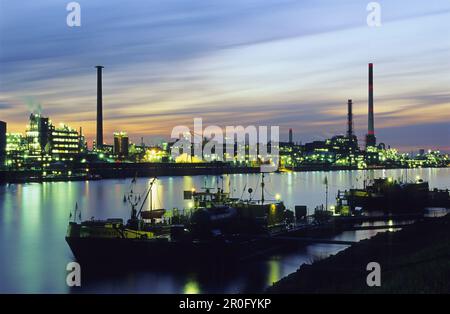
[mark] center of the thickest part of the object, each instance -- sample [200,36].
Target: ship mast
[132,199]
[146,196]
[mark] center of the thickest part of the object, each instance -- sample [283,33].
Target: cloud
[290,63]
[5,106]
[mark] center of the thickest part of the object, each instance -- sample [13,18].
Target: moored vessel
[217,228]
[389,195]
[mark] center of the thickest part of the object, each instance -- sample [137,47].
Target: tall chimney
[99,141]
[370,137]
[350,120]
[291,140]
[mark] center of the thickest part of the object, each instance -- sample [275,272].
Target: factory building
[121,142]
[64,142]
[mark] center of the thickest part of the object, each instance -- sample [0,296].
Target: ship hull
[146,252]
[392,198]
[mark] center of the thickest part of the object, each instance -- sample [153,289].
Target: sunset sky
[290,63]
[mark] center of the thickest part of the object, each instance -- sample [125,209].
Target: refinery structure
[45,147]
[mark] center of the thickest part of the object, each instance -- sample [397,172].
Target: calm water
[33,221]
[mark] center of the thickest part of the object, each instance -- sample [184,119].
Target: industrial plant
[47,149]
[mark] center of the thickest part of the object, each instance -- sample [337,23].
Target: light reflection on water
[33,221]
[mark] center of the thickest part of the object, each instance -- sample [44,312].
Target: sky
[291,63]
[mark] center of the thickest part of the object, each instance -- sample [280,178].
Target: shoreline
[130,170]
[414,259]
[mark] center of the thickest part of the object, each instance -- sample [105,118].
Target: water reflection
[33,221]
[192,286]
[274,272]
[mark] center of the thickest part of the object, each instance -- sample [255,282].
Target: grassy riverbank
[413,260]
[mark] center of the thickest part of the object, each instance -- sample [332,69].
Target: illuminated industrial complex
[60,149]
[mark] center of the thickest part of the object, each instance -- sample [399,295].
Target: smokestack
[99,141]
[371,126]
[350,120]
[370,137]
[290,136]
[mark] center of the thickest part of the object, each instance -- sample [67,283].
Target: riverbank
[121,170]
[413,260]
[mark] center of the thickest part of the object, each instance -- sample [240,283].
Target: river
[34,217]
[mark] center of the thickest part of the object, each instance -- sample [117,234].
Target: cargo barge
[389,195]
[218,228]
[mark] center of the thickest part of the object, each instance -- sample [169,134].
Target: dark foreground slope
[413,260]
